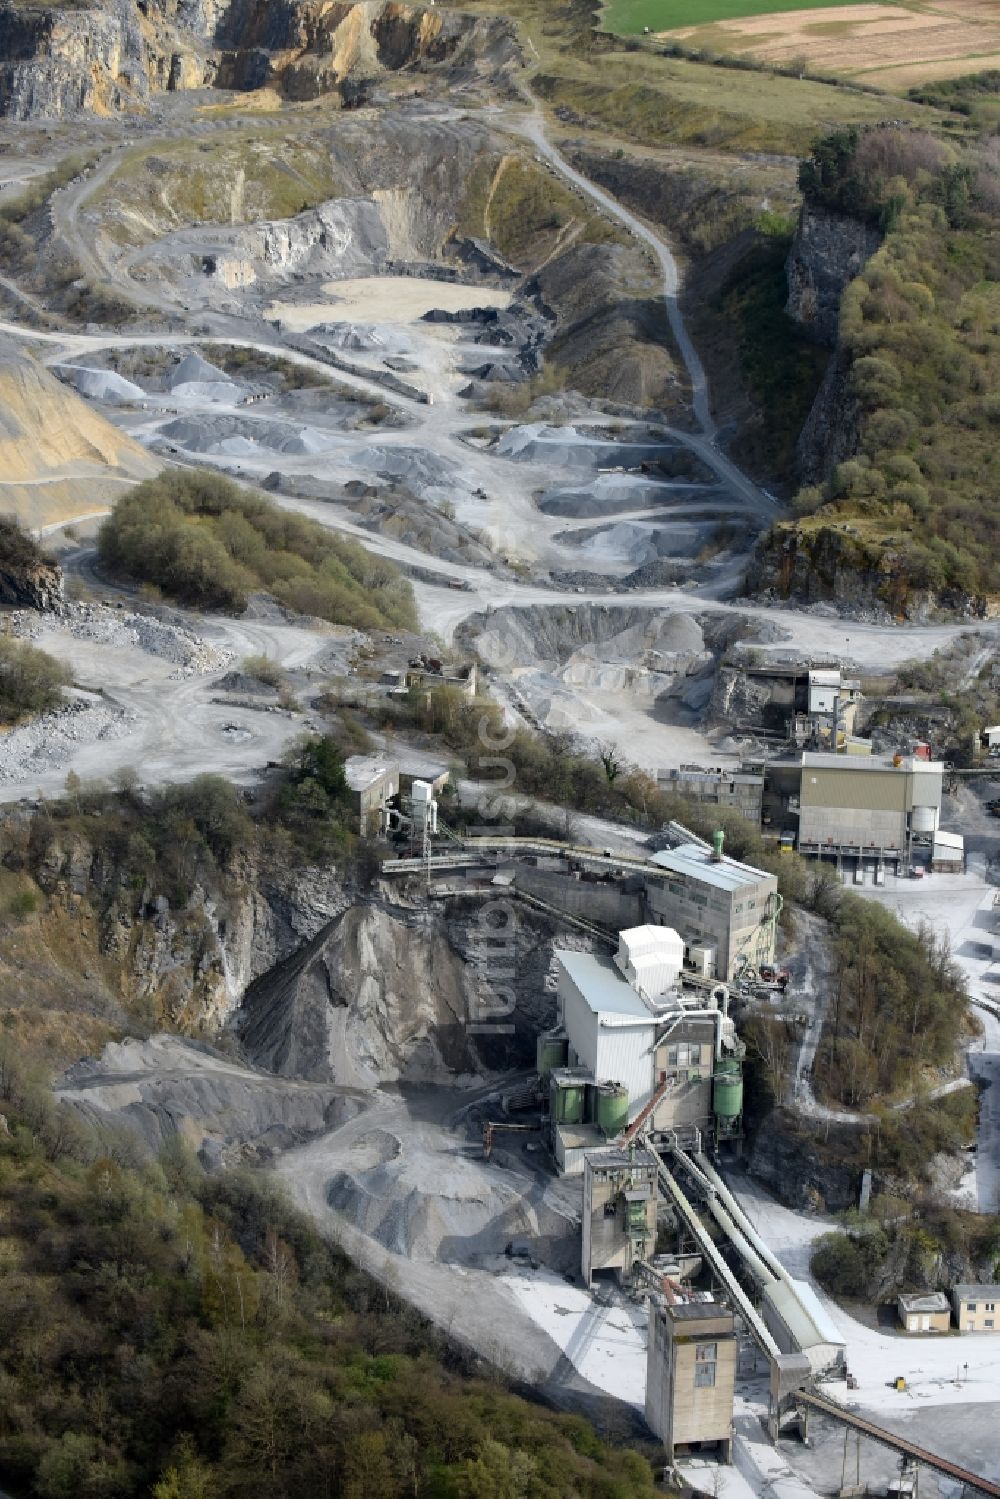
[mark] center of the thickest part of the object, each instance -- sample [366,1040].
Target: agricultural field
[630,17]
[894,46]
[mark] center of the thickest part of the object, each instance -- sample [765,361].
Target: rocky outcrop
[802,1173]
[832,430]
[185,963]
[29,577]
[59,61]
[828,251]
[831,562]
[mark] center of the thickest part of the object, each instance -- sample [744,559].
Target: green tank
[550,1051]
[612,1109]
[727,1091]
[569,1103]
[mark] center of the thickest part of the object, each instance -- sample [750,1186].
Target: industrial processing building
[632,1047]
[691,1374]
[869,807]
[726,912]
[619,1210]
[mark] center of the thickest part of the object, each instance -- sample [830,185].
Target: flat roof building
[976,1307]
[619,1210]
[715,903]
[924,1311]
[868,806]
[372,783]
[691,1375]
[639,1052]
[741,790]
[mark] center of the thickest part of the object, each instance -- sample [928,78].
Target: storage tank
[727,1091]
[569,1103]
[550,1051]
[612,1109]
[924,820]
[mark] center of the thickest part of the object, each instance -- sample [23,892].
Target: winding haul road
[457,590]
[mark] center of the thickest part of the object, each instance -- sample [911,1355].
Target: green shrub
[211,543]
[31,681]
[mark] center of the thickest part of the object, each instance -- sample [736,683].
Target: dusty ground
[895,46]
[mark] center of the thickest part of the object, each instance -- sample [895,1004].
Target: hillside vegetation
[190,1337]
[917,505]
[210,543]
[31,680]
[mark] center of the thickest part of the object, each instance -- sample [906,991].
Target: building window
[611,1209]
[971,1307]
[988,1322]
[991,1306]
[704,1367]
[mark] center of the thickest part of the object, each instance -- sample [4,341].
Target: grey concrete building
[619,1210]
[691,1375]
[740,790]
[372,784]
[717,904]
[873,807]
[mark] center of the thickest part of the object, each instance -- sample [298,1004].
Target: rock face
[183,965]
[828,251]
[58,61]
[29,578]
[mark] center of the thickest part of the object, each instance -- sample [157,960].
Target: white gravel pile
[55,737]
[192,655]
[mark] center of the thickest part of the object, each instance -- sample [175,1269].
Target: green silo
[727,1092]
[612,1109]
[550,1052]
[569,1102]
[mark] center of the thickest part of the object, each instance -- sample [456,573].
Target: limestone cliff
[112,56]
[29,577]
[828,251]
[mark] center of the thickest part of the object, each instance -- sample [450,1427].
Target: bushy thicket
[190,1337]
[210,543]
[899,1007]
[898,1249]
[169,838]
[921,329]
[31,681]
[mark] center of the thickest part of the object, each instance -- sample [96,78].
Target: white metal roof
[697,864]
[803,1314]
[602,986]
[824,678]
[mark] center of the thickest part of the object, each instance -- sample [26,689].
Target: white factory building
[631,1045]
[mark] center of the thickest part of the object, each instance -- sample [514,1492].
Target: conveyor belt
[901,1445]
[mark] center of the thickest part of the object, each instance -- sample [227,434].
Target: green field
[629,17]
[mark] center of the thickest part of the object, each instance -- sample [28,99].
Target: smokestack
[718,838]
